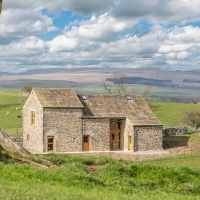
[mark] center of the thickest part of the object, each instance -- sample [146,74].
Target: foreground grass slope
[111,179]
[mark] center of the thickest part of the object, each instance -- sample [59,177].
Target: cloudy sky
[100,33]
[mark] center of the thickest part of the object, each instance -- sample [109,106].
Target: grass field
[10,103]
[111,179]
[170,114]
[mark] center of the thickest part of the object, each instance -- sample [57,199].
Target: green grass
[187,160]
[14,132]
[112,180]
[170,114]
[9,101]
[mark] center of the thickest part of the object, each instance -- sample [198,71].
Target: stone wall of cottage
[99,133]
[33,134]
[147,138]
[128,131]
[65,125]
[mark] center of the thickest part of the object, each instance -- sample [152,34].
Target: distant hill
[68,77]
[57,70]
[44,71]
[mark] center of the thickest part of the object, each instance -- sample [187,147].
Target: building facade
[59,120]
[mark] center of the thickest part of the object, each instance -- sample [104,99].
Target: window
[128,98]
[50,143]
[32,118]
[84,98]
[85,138]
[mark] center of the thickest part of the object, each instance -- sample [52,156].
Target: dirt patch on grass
[93,168]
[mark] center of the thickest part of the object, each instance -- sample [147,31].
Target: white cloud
[111,35]
[174,48]
[16,23]
[62,43]
[104,27]
[183,55]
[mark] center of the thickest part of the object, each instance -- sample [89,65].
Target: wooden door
[115,136]
[86,142]
[130,144]
[115,141]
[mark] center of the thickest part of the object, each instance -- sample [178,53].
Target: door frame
[116,132]
[130,143]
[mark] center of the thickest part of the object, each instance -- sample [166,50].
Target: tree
[26,89]
[118,81]
[146,92]
[192,118]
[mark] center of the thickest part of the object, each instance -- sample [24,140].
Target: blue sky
[163,34]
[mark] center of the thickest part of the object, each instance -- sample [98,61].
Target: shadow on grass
[175,141]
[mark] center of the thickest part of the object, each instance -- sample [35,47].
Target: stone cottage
[59,120]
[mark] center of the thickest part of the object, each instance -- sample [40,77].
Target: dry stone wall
[174,131]
[99,133]
[66,127]
[33,134]
[147,138]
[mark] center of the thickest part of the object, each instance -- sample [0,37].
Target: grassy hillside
[9,101]
[170,114]
[84,177]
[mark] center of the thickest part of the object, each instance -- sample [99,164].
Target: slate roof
[57,97]
[117,106]
[99,105]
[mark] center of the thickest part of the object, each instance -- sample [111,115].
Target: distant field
[11,105]
[170,114]
[155,91]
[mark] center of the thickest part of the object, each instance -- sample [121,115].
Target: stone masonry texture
[147,138]
[66,127]
[33,134]
[99,133]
